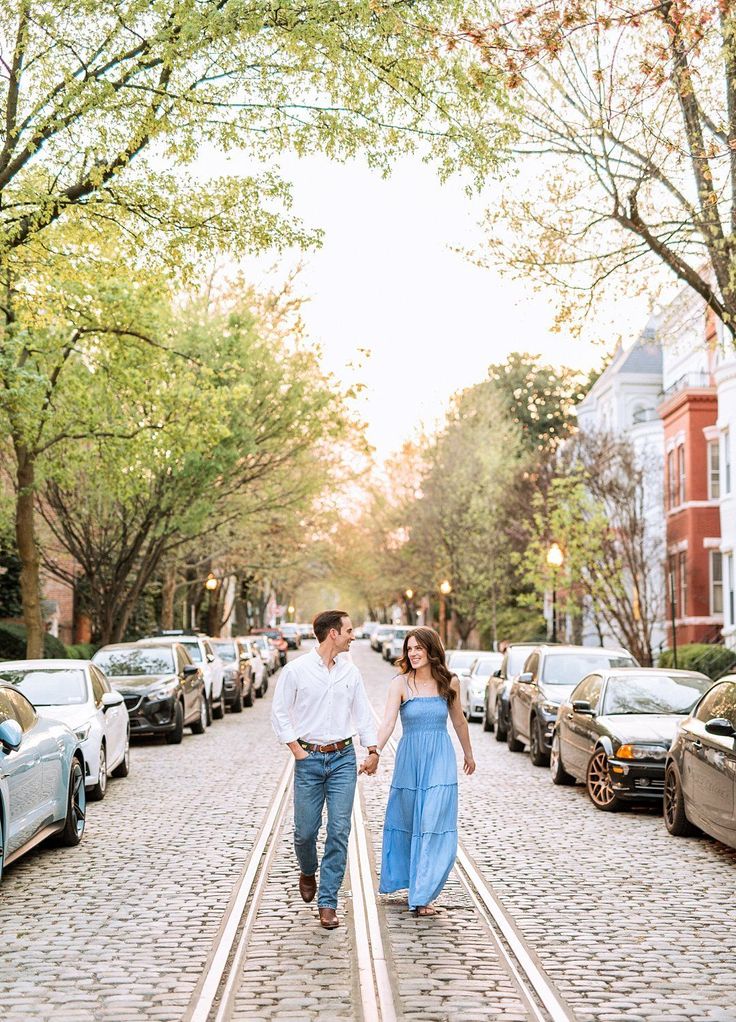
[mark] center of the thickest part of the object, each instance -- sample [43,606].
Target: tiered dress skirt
[420,830]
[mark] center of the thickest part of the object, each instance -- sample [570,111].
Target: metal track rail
[543,1000]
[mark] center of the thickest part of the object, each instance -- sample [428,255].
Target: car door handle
[697,744]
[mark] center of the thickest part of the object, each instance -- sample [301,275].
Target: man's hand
[297,751]
[369,764]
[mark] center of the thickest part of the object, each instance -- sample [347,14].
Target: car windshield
[570,668]
[654,693]
[517,658]
[289,629]
[50,687]
[130,663]
[484,668]
[462,661]
[226,651]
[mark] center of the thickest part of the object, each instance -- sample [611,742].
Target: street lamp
[555,559]
[210,583]
[445,590]
[290,610]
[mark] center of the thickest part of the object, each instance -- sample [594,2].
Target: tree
[628,140]
[597,509]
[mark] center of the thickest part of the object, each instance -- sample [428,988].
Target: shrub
[13,643]
[712,660]
[81,651]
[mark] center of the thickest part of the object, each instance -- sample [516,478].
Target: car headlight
[82,732]
[550,708]
[162,693]
[641,752]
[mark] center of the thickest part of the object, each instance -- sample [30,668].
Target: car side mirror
[526,678]
[11,735]
[210,658]
[111,699]
[581,706]
[721,726]
[497,674]
[189,670]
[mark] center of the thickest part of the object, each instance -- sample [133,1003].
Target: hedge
[81,651]
[715,661]
[13,643]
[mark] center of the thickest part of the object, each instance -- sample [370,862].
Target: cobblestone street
[629,923]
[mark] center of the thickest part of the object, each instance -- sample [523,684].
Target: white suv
[203,655]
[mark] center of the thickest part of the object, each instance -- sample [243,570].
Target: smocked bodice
[423,713]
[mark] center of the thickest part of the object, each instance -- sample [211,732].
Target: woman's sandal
[426,910]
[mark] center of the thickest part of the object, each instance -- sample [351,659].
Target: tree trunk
[25,536]
[167,596]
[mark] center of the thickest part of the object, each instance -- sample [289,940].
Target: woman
[420,830]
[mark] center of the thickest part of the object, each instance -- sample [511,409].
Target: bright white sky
[387,280]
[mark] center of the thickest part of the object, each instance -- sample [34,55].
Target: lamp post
[555,559]
[290,610]
[409,595]
[211,584]
[445,590]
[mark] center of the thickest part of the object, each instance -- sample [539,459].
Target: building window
[726,461]
[682,569]
[716,582]
[729,590]
[714,470]
[681,473]
[672,594]
[671,479]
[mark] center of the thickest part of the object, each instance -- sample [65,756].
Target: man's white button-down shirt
[322,706]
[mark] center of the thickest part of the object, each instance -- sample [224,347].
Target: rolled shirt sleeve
[363,717]
[283,700]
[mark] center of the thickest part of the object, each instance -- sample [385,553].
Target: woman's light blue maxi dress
[420,830]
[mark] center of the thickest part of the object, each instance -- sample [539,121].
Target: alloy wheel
[203,712]
[78,800]
[670,798]
[600,788]
[103,771]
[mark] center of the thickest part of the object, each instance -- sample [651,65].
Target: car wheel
[218,712]
[261,690]
[200,724]
[537,752]
[174,737]
[208,706]
[511,740]
[248,697]
[675,817]
[237,706]
[599,784]
[97,792]
[2,850]
[557,769]
[487,722]
[123,767]
[76,807]
[500,724]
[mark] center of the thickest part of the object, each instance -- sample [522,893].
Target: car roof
[652,671]
[553,647]
[39,665]
[165,640]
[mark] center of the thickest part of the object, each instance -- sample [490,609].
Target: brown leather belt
[332,747]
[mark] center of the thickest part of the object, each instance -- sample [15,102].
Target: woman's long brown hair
[431,643]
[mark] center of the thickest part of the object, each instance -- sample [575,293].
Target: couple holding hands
[320,701]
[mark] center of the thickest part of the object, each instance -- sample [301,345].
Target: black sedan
[614,732]
[700,776]
[163,689]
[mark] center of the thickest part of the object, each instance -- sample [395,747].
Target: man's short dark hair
[325,621]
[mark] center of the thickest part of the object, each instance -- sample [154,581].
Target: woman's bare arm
[461,728]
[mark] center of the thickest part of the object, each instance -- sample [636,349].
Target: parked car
[700,770]
[459,661]
[41,779]
[366,629]
[380,635]
[292,635]
[239,674]
[199,648]
[305,630]
[496,703]
[269,655]
[77,693]
[393,647]
[257,665]
[614,731]
[473,684]
[163,690]
[549,676]
[277,640]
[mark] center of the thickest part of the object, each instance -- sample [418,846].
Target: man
[320,701]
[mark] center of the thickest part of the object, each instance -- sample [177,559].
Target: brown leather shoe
[328,918]
[307,886]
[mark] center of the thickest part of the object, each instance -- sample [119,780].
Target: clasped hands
[369,764]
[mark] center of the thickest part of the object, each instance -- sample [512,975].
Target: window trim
[726,474]
[681,480]
[715,556]
[714,474]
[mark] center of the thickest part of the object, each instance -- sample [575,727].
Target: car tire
[537,752]
[511,740]
[2,848]
[248,697]
[97,791]
[673,807]
[598,783]
[208,704]
[500,726]
[237,705]
[487,722]
[175,736]
[556,766]
[76,807]
[199,726]
[123,767]
[218,712]
[261,690]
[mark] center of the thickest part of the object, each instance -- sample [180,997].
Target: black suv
[550,674]
[163,690]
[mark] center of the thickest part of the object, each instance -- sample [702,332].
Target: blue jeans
[324,777]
